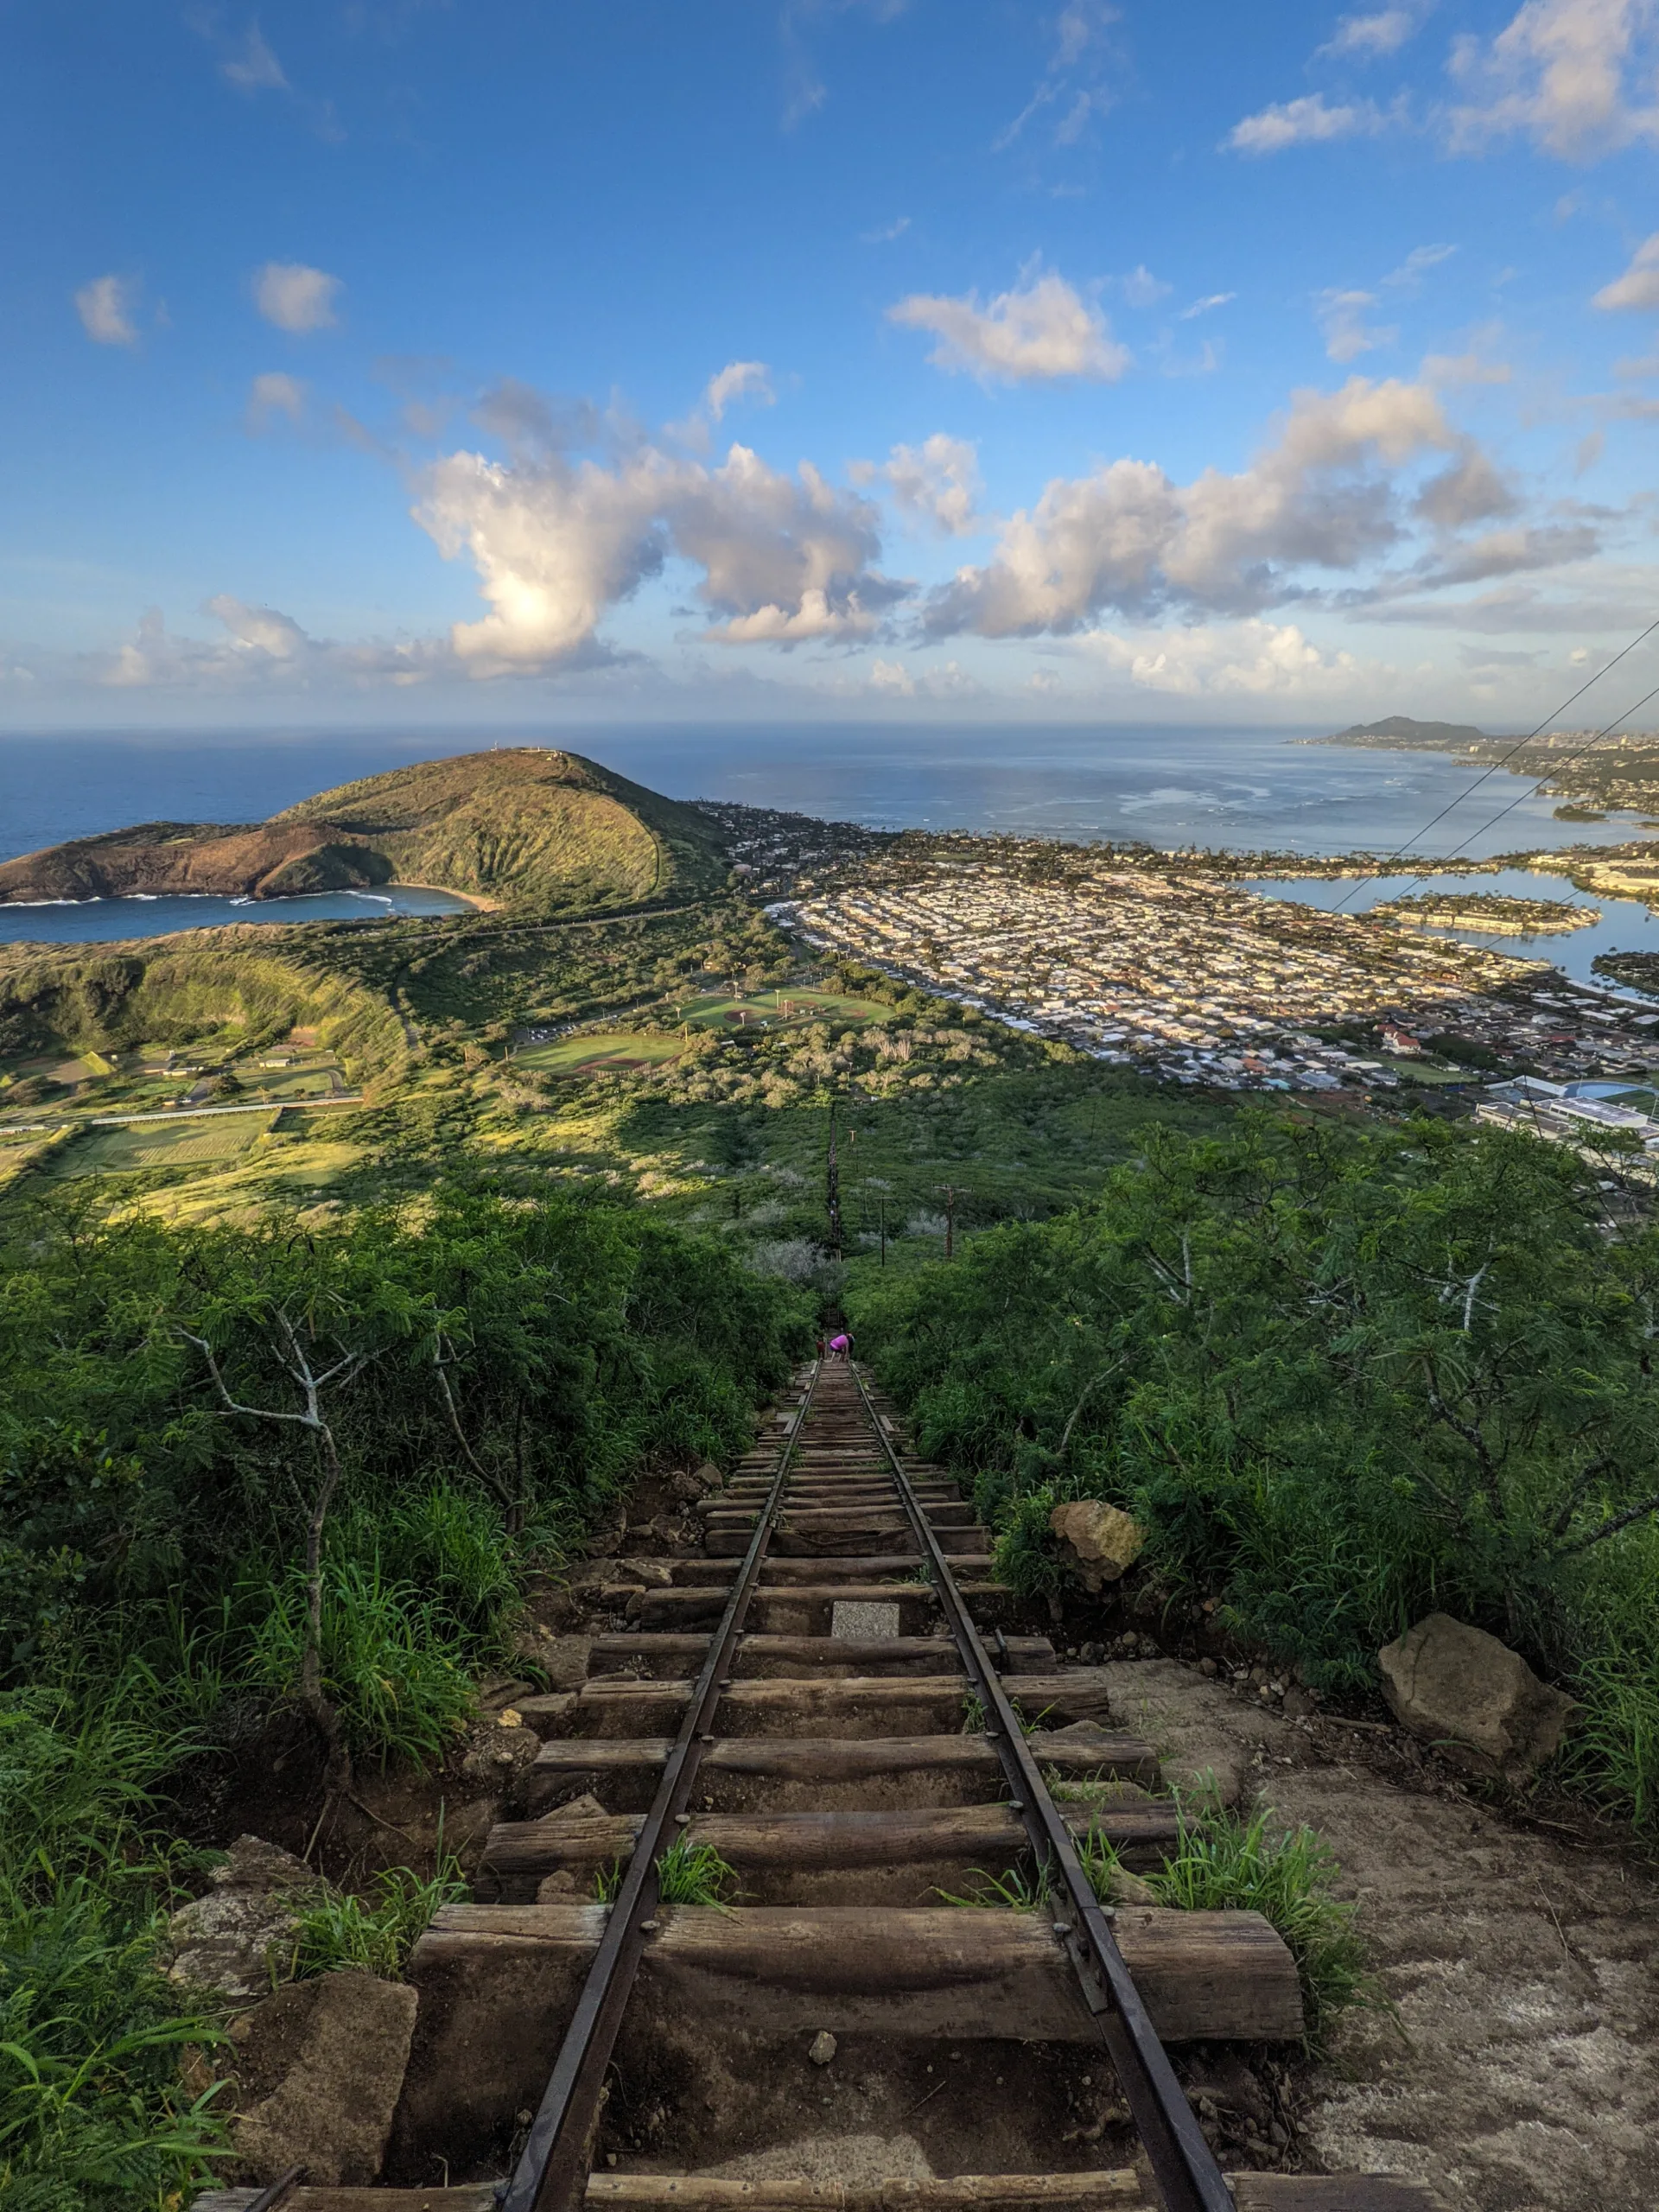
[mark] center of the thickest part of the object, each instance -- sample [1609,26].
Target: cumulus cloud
[937,481]
[261,648]
[294,297]
[1128,537]
[738,380]
[1204,305]
[1639,286]
[1043,331]
[1307,122]
[274,394]
[106,307]
[1573,76]
[1366,37]
[785,560]
[892,676]
[1254,658]
[1342,320]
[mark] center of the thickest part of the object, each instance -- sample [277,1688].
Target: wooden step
[854,1704]
[497,1984]
[800,1858]
[757,1773]
[837,1517]
[1108,2190]
[666,1658]
[804,1610]
[820,1536]
[860,1567]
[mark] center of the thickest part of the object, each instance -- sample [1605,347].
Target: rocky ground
[1522,2072]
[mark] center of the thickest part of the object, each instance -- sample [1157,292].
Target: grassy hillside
[525,826]
[537,831]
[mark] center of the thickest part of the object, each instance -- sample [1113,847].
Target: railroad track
[825,1697]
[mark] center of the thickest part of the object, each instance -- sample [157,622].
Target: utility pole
[949,1193]
[832,1186]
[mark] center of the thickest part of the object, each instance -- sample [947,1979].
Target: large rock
[1457,1686]
[1104,1540]
[224,1941]
[335,2051]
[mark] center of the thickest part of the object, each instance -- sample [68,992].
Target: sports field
[781,1009]
[618,1052]
[209,1142]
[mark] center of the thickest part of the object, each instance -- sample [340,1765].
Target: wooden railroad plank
[665,1656]
[859,1705]
[868,1566]
[985,1838]
[1110,2190]
[624,1772]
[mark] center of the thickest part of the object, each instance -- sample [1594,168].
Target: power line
[1505,758]
[1521,797]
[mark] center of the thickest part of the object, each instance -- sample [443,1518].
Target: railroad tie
[833,1700]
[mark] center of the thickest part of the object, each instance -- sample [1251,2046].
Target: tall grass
[1223,1863]
[93,2117]
[376,1935]
[392,1664]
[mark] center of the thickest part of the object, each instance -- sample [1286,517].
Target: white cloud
[1043,331]
[1639,286]
[1078,85]
[1407,275]
[892,675]
[1342,319]
[251,66]
[1127,536]
[1304,122]
[938,481]
[738,380]
[106,307]
[1365,37]
[274,394]
[1204,305]
[262,648]
[294,297]
[1557,74]
[887,233]
[785,560]
[1140,289]
[1472,367]
[1254,658]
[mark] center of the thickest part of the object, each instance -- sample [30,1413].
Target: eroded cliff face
[273,860]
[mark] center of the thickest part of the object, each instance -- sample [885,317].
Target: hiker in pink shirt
[841,1347]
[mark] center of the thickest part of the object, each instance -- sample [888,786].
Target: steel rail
[552,2175]
[1185,2167]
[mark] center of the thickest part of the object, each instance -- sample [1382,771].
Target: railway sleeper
[853,1705]
[1112,2190]
[665,1657]
[825,1773]
[903,1856]
[498,1985]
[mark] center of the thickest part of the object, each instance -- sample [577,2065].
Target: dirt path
[1527,2076]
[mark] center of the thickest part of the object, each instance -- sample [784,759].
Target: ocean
[1245,790]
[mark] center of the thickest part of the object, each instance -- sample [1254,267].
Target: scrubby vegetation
[1343,1378]
[273,1468]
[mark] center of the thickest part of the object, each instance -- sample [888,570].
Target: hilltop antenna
[1505,758]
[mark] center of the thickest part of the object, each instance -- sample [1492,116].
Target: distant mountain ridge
[522,826]
[1400,730]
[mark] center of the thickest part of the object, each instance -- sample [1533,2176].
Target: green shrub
[392,1665]
[1226,1864]
[376,1935]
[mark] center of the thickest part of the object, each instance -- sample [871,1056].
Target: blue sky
[501,362]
